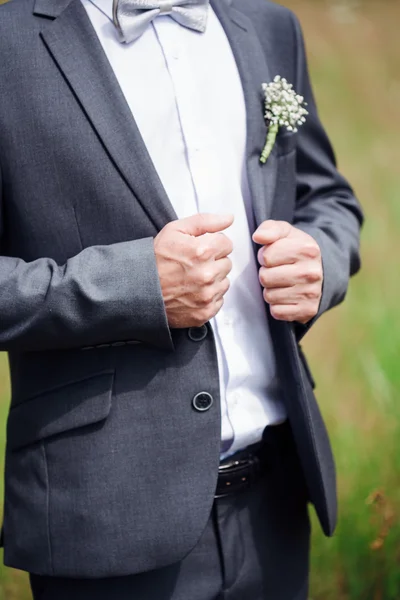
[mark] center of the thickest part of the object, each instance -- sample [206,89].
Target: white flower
[283,108]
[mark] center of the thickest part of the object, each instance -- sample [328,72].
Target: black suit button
[198,334]
[203,401]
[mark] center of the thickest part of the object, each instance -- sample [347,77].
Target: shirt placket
[201,159]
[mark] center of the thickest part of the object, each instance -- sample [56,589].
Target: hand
[193,265]
[291,271]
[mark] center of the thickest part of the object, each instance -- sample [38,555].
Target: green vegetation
[13,584]
[355,62]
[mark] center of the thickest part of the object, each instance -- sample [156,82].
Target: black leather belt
[244,468]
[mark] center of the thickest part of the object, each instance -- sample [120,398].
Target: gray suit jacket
[110,470]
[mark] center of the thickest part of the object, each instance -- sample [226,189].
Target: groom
[155,281]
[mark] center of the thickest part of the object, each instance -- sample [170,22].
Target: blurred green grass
[354,350]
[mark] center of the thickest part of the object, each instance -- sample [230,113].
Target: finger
[298,294]
[222,268]
[281,295]
[203,223]
[293,312]
[278,277]
[213,273]
[206,314]
[215,245]
[223,246]
[208,295]
[218,305]
[211,294]
[304,272]
[271,231]
[283,252]
[222,289]
[285,312]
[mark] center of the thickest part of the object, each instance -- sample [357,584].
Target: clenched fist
[291,271]
[193,266]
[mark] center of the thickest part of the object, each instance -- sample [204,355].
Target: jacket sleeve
[103,295]
[325,205]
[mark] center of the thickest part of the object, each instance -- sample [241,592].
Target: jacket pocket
[84,402]
[285,143]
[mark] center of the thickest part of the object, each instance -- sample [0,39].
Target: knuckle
[268,260]
[268,296]
[267,257]
[306,314]
[263,276]
[276,312]
[203,251]
[312,275]
[312,295]
[226,284]
[200,319]
[229,266]
[218,306]
[311,249]
[206,276]
[207,314]
[281,313]
[206,297]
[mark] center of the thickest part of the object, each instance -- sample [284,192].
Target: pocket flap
[58,410]
[285,142]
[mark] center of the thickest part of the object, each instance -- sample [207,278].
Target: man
[163,437]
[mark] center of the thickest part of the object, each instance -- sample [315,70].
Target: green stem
[269,144]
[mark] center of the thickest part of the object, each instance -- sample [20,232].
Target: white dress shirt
[185,93]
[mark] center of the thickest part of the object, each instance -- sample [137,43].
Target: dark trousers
[255,547]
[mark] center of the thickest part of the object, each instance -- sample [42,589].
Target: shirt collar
[105,6]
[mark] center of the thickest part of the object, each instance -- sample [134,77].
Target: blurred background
[354,56]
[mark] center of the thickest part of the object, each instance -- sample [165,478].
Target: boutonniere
[283,108]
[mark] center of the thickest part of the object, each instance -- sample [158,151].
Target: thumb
[204,223]
[270,232]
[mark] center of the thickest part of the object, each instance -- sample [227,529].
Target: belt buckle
[231,468]
[233,464]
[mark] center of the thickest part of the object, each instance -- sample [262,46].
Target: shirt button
[202,401]
[198,334]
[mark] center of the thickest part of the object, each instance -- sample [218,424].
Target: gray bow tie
[131,17]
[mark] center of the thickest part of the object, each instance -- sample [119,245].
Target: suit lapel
[74,46]
[253,70]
